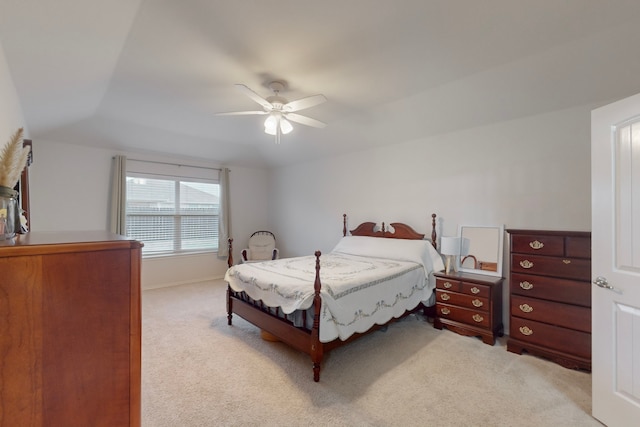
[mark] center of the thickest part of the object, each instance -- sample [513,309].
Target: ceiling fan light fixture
[270,124]
[285,126]
[273,121]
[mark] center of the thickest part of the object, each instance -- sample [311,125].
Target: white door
[615,186]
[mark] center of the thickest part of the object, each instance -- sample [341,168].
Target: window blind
[172,215]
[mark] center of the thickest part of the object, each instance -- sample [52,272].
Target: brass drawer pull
[526,308]
[536,245]
[526,285]
[445,297]
[566,261]
[477,318]
[447,285]
[477,303]
[445,310]
[475,290]
[526,264]
[525,330]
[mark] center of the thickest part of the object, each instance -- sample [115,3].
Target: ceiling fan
[280,111]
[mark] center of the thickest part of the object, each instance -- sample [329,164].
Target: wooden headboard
[401,230]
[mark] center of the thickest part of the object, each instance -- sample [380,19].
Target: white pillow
[419,251]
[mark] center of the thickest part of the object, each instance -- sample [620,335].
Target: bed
[316,303]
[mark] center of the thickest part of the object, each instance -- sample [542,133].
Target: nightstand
[469,304]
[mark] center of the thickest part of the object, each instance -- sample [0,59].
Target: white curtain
[224,221]
[119,196]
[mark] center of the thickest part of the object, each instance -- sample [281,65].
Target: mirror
[481,249]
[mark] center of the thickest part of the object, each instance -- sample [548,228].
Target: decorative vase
[8,212]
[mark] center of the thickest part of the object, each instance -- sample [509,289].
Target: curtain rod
[174,164]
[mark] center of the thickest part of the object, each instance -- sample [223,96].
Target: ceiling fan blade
[242,113]
[257,98]
[304,120]
[302,103]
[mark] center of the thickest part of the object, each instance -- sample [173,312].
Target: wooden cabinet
[70,330]
[469,304]
[550,296]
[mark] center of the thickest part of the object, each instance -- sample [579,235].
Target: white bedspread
[365,281]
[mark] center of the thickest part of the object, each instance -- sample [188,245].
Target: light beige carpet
[198,371]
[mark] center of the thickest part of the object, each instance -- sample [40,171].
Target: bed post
[229,300]
[230,257]
[344,225]
[316,345]
[229,305]
[434,237]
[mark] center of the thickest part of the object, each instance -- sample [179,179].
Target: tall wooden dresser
[70,330]
[550,296]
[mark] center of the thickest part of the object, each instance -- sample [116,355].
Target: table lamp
[450,248]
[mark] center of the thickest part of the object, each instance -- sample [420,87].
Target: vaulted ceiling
[150,75]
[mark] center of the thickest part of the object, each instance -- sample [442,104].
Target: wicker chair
[262,247]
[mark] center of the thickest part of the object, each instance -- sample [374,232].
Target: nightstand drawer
[537,244]
[554,313]
[550,288]
[476,290]
[552,337]
[448,284]
[464,315]
[473,302]
[568,268]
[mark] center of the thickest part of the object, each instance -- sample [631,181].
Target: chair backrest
[261,245]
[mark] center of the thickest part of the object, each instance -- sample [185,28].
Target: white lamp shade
[285,126]
[450,246]
[270,124]
[274,120]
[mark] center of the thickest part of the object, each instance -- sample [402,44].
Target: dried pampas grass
[13,160]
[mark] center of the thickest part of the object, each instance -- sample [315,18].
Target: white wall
[69,187]
[527,173]
[11,117]
[70,191]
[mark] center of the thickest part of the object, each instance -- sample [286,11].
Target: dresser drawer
[554,313]
[553,337]
[538,244]
[550,288]
[464,315]
[448,284]
[568,268]
[473,302]
[578,247]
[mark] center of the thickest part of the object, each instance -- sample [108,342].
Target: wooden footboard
[307,337]
[302,338]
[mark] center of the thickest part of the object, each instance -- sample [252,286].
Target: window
[172,215]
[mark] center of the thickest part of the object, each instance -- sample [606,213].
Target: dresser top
[469,277]
[549,232]
[34,243]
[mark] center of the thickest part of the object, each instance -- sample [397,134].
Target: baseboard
[185,282]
